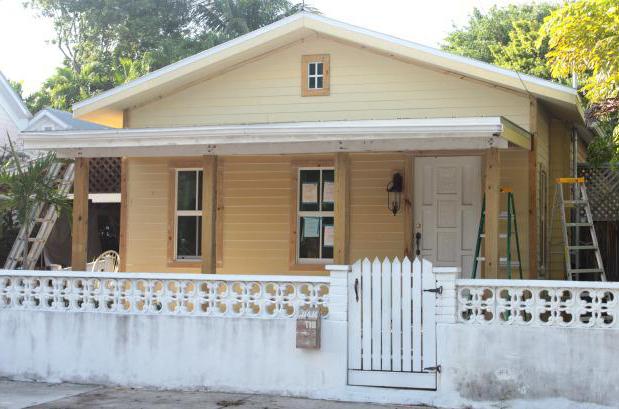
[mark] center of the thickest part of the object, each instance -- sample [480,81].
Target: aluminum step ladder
[509,216]
[31,240]
[581,206]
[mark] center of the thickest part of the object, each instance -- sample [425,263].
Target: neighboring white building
[50,119]
[14,116]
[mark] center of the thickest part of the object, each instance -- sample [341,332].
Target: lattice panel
[104,175]
[603,191]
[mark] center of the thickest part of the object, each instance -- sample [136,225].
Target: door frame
[410,222]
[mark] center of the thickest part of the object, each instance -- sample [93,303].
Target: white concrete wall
[496,363]
[482,363]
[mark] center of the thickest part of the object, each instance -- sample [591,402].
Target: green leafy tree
[108,42]
[18,87]
[508,37]
[583,37]
[233,18]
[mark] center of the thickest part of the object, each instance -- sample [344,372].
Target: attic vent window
[315,75]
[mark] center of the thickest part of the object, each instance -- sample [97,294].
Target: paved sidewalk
[14,395]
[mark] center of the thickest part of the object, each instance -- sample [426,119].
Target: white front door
[447,206]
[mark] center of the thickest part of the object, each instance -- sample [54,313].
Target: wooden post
[342,213]
[209,215]
[533,125]
[79,233]
[124,206]
[408,207]
[492,191]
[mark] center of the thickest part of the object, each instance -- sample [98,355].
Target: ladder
[581,206]
[30,240]
[510,217]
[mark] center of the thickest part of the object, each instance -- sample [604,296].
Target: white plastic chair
[107,262]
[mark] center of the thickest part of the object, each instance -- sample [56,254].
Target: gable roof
[297,26]
[63,120]
[13,104]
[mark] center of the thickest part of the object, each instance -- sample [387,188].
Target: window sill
[186,264]
[317,267]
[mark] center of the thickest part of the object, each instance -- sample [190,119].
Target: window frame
[296,261]
[306,60]
[191,213]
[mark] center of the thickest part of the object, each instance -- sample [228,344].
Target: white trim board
[298,26]
[299,137]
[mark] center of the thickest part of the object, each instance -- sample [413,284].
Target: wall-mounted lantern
[394,193]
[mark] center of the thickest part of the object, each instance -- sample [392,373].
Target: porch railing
[538,303]
[163,294]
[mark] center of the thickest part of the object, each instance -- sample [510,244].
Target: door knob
[417,243]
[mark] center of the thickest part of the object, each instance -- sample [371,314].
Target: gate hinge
[438,290]
[436,368]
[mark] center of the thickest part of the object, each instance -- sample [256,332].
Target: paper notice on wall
[311,227]
[309,193]
[327,192]
[327,237]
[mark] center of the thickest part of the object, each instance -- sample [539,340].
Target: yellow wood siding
[514,174]
[559,167]
[147,209]
[364,85]
[257,204]
[374,230]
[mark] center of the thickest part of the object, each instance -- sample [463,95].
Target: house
[51,119]
[14,115]
[272,154]
[281,165]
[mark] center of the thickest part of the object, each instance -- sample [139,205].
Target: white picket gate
[392,324]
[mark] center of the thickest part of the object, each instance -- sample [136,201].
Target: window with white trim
[188,214]
[315,215]
[315,75]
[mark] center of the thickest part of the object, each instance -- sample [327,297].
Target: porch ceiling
[471,133]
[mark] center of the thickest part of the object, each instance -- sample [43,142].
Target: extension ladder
[580,204]
[510,217]
[30,240]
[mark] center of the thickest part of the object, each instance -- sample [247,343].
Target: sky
[27,55]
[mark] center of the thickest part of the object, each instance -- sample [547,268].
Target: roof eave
[463,133]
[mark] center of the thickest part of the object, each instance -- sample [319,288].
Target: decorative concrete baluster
[164,294]
[540,303]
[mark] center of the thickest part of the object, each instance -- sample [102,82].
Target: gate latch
[436,368]
[438,290]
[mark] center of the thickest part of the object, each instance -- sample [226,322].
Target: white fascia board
[273,138]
